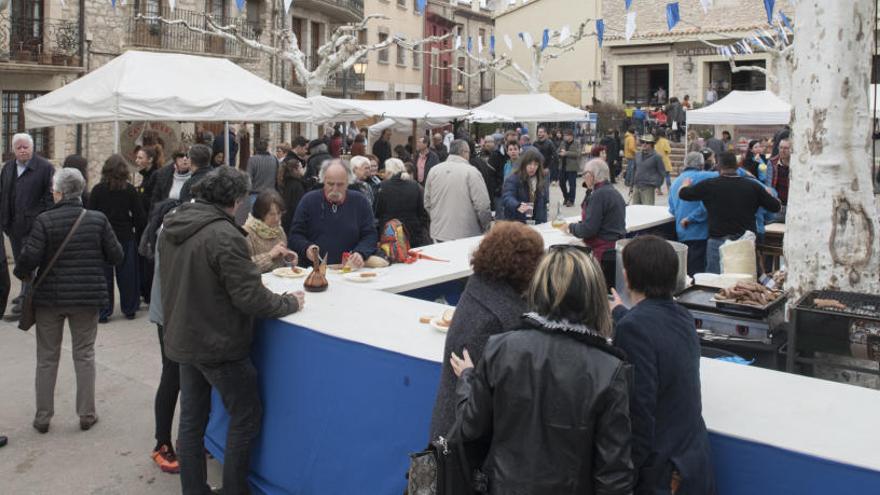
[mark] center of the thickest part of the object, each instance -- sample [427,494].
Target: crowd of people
[190,238]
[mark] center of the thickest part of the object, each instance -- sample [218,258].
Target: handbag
[444,468]
[28,313]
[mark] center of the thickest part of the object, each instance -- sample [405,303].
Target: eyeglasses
[564,247]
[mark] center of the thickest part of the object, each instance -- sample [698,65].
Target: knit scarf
[261,229]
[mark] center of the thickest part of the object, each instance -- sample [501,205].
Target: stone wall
[651,15]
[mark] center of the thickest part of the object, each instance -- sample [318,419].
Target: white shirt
[20,167]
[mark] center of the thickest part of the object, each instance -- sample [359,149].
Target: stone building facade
[678,61]
[394,73]
[44,45]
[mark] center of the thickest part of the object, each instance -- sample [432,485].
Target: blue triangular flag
[545,39]
[492,44]
[629,4]
[113,2]
[470,44]
[785,20]
[420,4]
[240,5]
[768,6]
[672,15]
[600,31]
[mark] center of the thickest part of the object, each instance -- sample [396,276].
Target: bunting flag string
[492,44]
[785,20]
[545,39]
[672,15]
[600,31]
[527,39]
[480,45]
[630,25]
[457,43]
[420,5]
[508,42]
[288,3]
[706,4]
[564,33]
[768,6]
[470,45]
[629,4]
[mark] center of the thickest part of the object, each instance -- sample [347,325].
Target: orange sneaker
[166,460]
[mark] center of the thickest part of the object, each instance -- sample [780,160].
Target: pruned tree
[831,225]
[531,77]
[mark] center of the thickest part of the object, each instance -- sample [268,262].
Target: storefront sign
[696,52]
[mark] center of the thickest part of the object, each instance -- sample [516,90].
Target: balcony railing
[344,10]
[40,41]
[153,33]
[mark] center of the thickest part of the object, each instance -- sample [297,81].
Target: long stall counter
[348,386]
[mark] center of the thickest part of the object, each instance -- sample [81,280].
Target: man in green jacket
[211,292]
[569,165]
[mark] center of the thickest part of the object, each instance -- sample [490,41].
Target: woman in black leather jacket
[552,398]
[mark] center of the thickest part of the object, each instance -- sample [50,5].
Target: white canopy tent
[332,109]
[135,86]
[539,107]
[743,108]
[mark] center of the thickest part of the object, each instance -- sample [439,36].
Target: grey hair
[22,136]
[394,166]
[69,182]
[694,159]
[336,161]
[459,147]
[599,169]
[360,161]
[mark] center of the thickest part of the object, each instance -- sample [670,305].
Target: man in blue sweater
[691,219]
[334,220]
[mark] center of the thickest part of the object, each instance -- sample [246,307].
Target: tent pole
[116,136]
[226,143]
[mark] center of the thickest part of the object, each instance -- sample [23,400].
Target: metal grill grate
[861,305]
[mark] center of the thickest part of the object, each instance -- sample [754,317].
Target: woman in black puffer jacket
[552,398]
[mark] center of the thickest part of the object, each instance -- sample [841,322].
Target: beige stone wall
[391,80]
[575,68]
[651,15]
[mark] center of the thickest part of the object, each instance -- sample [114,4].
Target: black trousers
[166,395]
[236,382]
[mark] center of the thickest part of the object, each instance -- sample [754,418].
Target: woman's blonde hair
[569,285]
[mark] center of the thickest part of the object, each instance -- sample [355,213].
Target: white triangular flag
[508,42]
[706,4]
[457,43]
[287,4]
[564,33]
[527,38]
[171,3]
[480,44]
[630,25]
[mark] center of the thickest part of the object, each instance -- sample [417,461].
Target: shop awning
[743,108]
[138,86]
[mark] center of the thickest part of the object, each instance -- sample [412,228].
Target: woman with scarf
[266,239]
[603,212]
[524,195]
[564,427]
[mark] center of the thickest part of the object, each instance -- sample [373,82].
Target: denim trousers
[127,277]
[713,255]
[568,186]
[236,382]
[630,171]
[696,259]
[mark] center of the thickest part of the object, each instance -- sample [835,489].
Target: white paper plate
[435,324]
[359,277]
[286,272]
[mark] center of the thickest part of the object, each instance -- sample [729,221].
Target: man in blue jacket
[334,220]
[691,219]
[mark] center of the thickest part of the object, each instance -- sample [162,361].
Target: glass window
[401,55]
[383,53]
[13,122]
[640,82]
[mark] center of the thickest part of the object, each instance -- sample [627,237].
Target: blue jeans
[236,382]
[630,171]
[568,186]
[713,255]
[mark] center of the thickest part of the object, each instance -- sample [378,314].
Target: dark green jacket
[211,290]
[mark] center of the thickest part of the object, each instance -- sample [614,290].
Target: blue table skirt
[342,417]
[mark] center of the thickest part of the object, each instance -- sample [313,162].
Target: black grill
[861,305]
